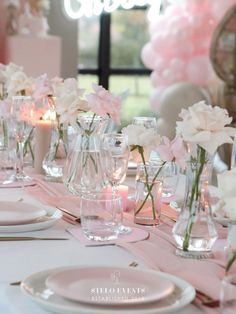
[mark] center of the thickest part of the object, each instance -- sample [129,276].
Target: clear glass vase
[194,231]
[54,161]
[148,194]
[83,170]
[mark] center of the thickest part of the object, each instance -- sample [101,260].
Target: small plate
[109,285]
[51,216]
[35,288]
[16,213]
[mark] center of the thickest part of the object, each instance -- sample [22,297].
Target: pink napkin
[137,234]
[54,194]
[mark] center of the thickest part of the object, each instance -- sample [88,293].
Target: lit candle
[43,130]
[123,190]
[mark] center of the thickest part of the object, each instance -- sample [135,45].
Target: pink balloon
[184,51]
[156,79]
[174,9]
[219,8]
[180,42]
[158,25]
[177,65]
[159,41]
[148,55]
[199,70]
[160,64]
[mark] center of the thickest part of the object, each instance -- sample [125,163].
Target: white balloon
[165,128]
[178,96]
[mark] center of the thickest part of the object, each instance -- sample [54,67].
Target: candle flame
[49,115]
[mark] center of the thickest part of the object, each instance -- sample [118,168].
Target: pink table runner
[158,252]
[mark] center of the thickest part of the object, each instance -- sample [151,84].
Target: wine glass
[147,122]
[115,157]
[20,122]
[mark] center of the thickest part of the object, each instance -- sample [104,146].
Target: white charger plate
[51,216]
[16,213]
[35,288]
[84,284]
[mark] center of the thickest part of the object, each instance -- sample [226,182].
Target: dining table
[20,259]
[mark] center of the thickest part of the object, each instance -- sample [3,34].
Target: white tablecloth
[20,259]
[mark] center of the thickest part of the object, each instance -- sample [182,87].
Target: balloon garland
[180,38]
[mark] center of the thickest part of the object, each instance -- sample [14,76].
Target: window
[109,53]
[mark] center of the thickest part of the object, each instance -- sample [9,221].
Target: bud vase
[83,170]
[148,194]
[194,231]
[54,160]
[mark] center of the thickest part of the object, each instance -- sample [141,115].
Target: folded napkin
[54,194]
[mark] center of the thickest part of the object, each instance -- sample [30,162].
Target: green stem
[28,143]
[194,194]
[149,187]
[231,261]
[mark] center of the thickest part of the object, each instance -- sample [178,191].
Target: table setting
[81,235]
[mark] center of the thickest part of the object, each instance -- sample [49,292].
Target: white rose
[204,125]
[141,136]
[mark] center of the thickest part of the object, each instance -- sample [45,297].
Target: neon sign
[75,9]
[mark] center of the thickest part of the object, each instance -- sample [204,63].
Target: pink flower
[45,86]
[174,150]
[105,103]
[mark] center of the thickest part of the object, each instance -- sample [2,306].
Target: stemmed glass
[147,122]
[115,157]
[20,122]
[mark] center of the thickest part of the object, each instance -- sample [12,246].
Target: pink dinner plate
[16,213]
[110,285]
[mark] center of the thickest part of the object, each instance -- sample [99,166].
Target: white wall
[67,29]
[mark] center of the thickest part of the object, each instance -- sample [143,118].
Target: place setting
[107,289]
[20,216]
[117,156]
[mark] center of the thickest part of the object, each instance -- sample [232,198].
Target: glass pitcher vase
[83,170]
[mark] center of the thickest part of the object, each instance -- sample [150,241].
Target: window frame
[104,69]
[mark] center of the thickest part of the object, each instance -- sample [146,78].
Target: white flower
[205,125]
[141,136]
[69,100]
[10,69]
[226,193]
[43,86]
[138,135]
[19,83]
